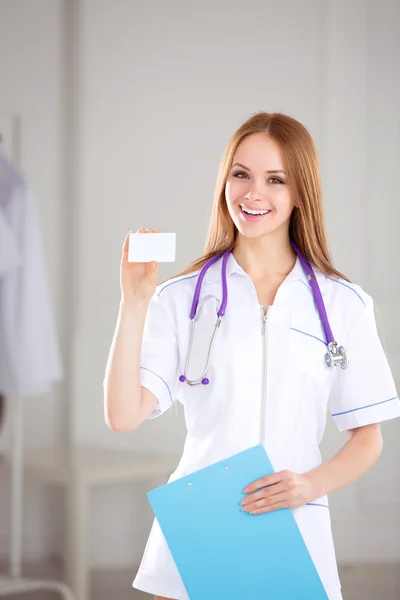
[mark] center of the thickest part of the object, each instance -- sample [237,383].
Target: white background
[125,110]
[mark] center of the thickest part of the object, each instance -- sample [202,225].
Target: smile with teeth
[254,212]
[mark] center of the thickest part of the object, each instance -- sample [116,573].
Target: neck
[265,258]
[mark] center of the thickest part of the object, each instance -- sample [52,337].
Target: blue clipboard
[222,552]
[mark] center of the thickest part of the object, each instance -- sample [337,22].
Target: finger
[272,490]
[125,247]
[153,265]
[262,502]
[267,509]
[265,481]
[263,493]
[275,489]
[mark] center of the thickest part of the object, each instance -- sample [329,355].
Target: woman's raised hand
[138,280]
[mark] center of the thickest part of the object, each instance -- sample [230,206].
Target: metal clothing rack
[14,583]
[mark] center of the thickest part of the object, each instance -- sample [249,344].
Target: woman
[268,379]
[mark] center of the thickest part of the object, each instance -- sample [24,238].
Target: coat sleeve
[365,392]
[159,364]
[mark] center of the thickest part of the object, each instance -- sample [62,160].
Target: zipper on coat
[264,315]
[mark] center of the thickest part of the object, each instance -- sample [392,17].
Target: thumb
[152,270]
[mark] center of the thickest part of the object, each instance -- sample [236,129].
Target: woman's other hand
[279,490]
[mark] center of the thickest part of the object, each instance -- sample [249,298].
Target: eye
[242,173]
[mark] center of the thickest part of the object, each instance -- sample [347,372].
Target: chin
[252,232]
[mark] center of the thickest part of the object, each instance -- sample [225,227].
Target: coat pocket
[307,350]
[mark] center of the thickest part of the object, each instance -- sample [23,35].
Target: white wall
[159,90]
[31,92]
[361,196]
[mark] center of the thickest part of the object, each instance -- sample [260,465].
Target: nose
[254,193]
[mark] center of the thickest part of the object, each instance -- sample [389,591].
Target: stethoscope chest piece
[336,356]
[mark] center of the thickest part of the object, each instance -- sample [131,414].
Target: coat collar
[213,274]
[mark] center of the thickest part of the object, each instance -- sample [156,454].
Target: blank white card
[146,247]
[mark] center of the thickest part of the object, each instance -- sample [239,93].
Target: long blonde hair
[299,154]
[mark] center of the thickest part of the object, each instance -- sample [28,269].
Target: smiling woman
[268,378]
[270,164]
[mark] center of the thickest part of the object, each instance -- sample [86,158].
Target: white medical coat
[223,418]
[9,255]
[30,359]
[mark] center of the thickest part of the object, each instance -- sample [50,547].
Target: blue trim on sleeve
[309,335]
[176,281]
[350,288]
[316,504]
[361,407]
[169,391]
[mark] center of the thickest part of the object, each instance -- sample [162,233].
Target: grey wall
[157,91]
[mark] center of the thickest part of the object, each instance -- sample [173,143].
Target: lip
[247,217]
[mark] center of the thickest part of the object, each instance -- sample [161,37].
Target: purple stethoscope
[336,356]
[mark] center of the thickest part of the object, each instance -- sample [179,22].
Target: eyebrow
[247,169]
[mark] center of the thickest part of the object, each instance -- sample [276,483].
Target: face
[259,202]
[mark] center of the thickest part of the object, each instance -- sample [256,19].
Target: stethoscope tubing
[336,356]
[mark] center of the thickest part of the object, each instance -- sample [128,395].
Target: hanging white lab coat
[9,255]
[30,360]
